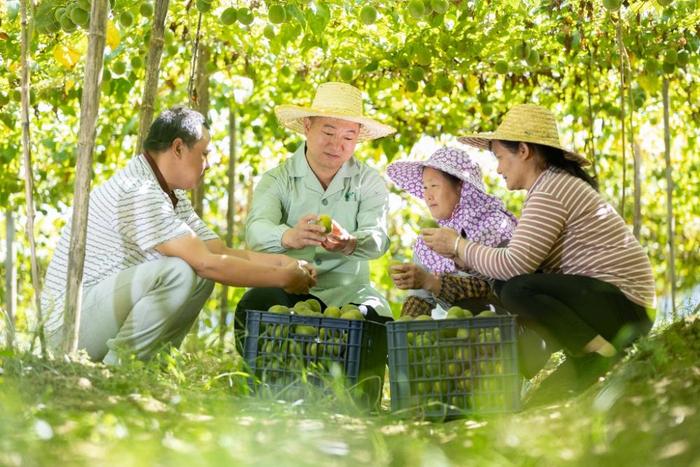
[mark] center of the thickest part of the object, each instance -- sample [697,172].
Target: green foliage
[194,409]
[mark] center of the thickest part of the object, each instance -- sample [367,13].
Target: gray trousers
[140,310]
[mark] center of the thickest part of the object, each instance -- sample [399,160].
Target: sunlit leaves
[66,55]
[113,37]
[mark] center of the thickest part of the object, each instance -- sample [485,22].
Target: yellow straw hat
[334,100]
[528,123]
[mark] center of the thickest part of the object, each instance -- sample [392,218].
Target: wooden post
[637,211]
[621,48]
[10,279]
[230,211]
[201,105]
[89,107]
[28,176]
[591,118]
[155,52]
[636,155]
[669,200]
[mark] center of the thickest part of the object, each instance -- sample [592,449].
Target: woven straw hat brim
[292,117]
[481,141]
[528,123]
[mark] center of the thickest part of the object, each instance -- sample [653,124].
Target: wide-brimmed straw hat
[528,123]
[408,175]
[334,100]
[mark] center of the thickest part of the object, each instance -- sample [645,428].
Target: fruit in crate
[332,312]
[314,305]
[352,313]
[487,314]
[456,312]
[281,309]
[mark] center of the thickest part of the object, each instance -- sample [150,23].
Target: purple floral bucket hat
[478,216]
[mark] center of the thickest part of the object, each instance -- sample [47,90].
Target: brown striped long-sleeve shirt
[566,227]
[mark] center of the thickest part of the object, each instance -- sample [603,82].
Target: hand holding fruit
[305,233]
[309,268]
[338,239]
[411,276]
[441,241]
[299,278]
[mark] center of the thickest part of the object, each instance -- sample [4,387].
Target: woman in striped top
[572,271]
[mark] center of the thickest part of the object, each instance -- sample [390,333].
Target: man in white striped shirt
[150,261]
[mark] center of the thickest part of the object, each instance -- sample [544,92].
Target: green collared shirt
[356,198]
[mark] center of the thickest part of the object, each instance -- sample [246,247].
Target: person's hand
[339,240]
[310,269]
[459,263]
[300,278]
[305,233]
[411,276]
[441,241]
[284,260]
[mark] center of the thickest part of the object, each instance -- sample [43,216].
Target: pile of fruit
[284,349]
[457,361]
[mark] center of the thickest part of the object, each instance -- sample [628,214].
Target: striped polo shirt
[129,215]
[566,227]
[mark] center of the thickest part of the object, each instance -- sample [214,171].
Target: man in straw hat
[150,261]
[572,271]
[324,178]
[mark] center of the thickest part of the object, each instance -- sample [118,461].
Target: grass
[194,409]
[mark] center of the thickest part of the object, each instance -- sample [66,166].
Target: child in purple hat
[450,184]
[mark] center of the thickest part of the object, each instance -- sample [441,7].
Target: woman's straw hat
[528,123]
[334,100]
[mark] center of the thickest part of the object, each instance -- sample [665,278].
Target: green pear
[354,314]
[302,308]
[281,309]
[455,312]
[314,305]
[305,330]
[368,15]
[487,314]
[348,307]
[277,14]
[332,312]
[229,16]
[325,220]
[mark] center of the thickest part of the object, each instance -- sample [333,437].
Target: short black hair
[177,122]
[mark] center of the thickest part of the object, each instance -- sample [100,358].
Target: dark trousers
[567,311]
[479,304]
[263,298]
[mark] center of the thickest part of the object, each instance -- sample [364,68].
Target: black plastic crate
[284,351]
[442,369]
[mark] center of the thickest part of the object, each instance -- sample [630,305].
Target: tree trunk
[591,118]
[28,175]
[10,279]
[230,211]
[637,216]
[670,222]
[155,52]
[89,107]
[636,157]
[201,103]
[621,48]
